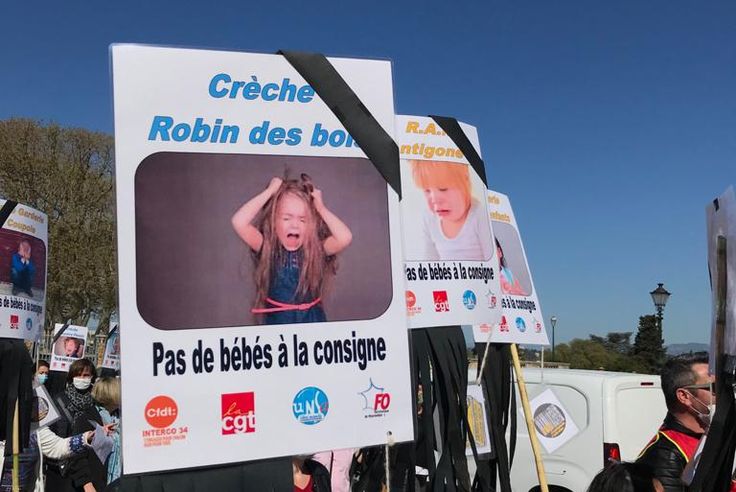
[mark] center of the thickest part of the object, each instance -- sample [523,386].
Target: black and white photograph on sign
[514,274]
[444,213]
[232,240]
[22,265]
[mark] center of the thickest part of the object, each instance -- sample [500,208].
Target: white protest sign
[552,421]
[477,421]
[70,346]
[43,411]
[449,258]
[261,283]
[23,253]
[521,321]
[111,357]
[722,222]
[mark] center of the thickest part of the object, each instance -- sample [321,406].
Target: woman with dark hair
[74,403]
[509,283]
[625,477]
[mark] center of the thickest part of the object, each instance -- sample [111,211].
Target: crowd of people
[80,451]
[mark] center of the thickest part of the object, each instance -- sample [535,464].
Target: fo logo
[504,325]
[469,300]
[537,325]
[491,299]
[310,405]
[238,413]
[161,411]
[376,400]
[14,322]
[520,324]
[441,304]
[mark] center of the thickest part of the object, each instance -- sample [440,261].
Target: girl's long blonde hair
[316,268]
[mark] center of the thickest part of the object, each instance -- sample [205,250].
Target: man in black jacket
[686,385]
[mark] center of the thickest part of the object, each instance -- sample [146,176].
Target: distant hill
[685,348]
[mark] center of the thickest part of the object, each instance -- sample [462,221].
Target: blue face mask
[42,378]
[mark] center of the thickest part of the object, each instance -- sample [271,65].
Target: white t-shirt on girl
[473,242]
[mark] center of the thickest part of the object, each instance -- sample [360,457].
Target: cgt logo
[14,322]
[238,413]
[441,304]
[161,411]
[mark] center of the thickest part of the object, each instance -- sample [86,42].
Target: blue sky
[609,124]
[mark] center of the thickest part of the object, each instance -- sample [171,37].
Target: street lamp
[553,322]
[659,297]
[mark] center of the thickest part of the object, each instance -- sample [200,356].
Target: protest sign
[552,422]
[44,411]
[111,357]
[70,346]
[23,240]
[449,258]
[261,282]
[477,422]
[521,321]
[721,218]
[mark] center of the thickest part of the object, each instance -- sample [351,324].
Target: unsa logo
[441,304]
[469,300]
[238,413]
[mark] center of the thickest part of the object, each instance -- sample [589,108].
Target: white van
[616,414]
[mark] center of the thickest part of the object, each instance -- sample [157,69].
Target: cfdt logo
[310,405]
[520,325]
[161,411]
[376,400]
[14,322]
[411,304]
[491,299]
[238,413]
[441,304]
[469,300]
[504,325]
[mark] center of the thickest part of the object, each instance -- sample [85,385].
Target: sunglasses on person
[705,386]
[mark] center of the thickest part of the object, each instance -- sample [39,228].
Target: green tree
[649,347]
[68,174]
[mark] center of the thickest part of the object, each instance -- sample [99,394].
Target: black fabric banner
[378,145]
[457,135]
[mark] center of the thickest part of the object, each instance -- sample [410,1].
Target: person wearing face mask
[42,372]
[77,474]
[686,385]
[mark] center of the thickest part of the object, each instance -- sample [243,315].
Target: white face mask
[704,418]
[82,383]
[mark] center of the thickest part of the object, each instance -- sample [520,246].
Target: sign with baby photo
[521,321]
[261,283]
[449,261]
[23,239]
[68,347]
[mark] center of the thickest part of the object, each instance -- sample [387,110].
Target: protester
[310,475]
[625,477]
[106,394]
[337,463]
[690,403]
[78,473]
[42,372]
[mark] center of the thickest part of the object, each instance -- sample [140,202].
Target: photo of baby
[294,238]
[514,275]
[69,347]
[454,223]
[238,240]
[22,265]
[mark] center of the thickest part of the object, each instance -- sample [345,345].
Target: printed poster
[111,357]
[70,346]
[23,240]
[261,281]
[722,222]
[43,410]
[478,422]
[553,423]
[521,321]
[449,258]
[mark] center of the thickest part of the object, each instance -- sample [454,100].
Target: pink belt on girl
[282,306]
